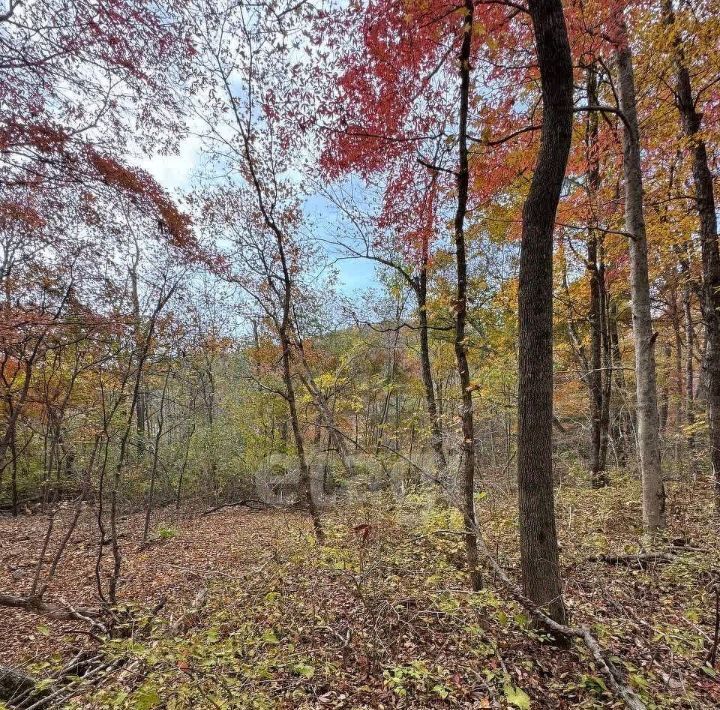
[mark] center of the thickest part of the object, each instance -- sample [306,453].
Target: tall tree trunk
[607,365]
[598,376]
[705,206]
[468,428]
[436,436]
[539,557]
[689,370]
[645,375]
[284,328]
[664,412]
[14,481]
[141,404]
[183,467]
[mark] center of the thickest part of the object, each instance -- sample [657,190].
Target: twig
[712,656]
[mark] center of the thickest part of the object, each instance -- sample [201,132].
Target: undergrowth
[381,616]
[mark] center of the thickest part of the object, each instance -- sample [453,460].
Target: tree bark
[539,557]
[468,427]
[645,375]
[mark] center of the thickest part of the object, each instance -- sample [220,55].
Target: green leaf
[304,670]
[709,671]
[146,698]
[595,683]
[441,690]
[270,637]
[517,697]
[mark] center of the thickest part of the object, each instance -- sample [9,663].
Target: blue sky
[175,172]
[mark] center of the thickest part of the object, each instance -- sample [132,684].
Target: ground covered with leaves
[258,616]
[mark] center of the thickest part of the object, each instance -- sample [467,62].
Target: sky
[175,173]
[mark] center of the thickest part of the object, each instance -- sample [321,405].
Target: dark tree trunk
[665,399]
[468,428]
[705,206]
[598,375]
[183,468]
[538,538]
[436,435]
[13,453]
[600,379]
[607,365]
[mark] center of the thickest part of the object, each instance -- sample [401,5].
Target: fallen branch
[73,686]
[251,503]
[642,559]
[615,678]
[54,611]
[712,656]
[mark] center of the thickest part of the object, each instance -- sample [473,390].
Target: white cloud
[174,172]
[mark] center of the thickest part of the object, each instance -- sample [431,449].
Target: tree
[461,300]
[704,203]
[600,366]
[645,375]
[538,538]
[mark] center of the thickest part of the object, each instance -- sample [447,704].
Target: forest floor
[258,616]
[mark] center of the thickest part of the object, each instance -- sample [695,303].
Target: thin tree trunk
[305,483]
[436,437]
[183,468]
[689,376]
[141,404]
[539,558]
[665,398]
[155,458]
[468,428]
[284,329]
[597,375]
[622,418]
[710,253]
[678,367]
[607,364]
[13,453]
[645,375]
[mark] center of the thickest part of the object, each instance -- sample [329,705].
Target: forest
[359,354]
